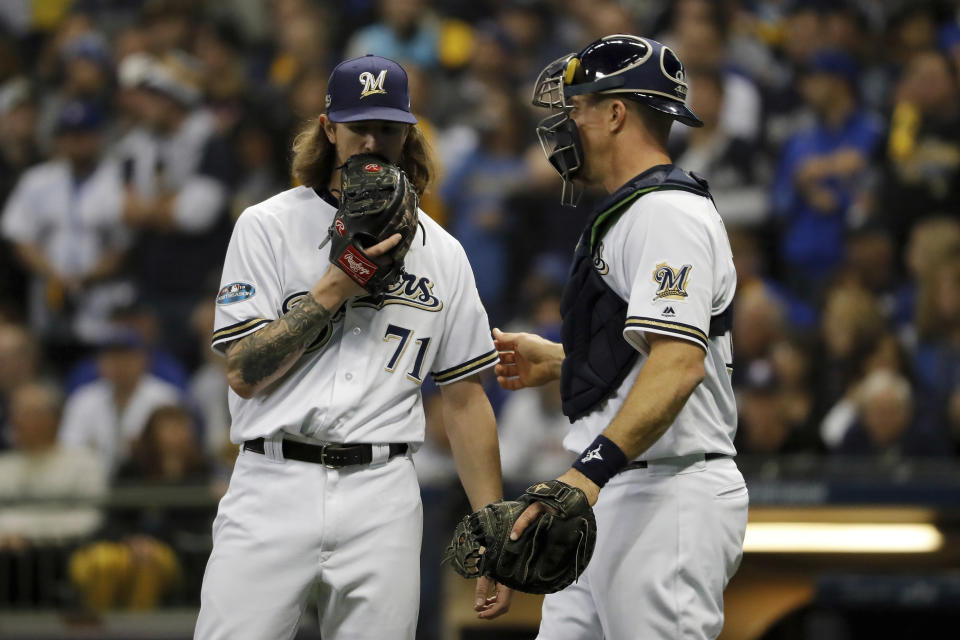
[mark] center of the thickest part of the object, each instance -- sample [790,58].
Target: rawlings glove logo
[357,265]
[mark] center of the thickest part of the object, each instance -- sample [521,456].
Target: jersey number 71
[403,335]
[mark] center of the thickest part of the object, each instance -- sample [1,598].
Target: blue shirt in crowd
[813,240]
[473,192]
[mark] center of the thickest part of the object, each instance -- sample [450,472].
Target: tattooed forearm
[265,356]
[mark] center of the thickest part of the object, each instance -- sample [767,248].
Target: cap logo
[371,168]
[371,84]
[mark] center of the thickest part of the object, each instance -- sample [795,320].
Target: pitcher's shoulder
[294,201]
[434,237]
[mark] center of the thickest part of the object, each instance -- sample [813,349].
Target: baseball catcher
[549,554]
[376,201]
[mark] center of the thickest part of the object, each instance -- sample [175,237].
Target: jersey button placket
[348,388]
[354,343]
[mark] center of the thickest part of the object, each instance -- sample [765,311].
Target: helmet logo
[371,84]
[672,68]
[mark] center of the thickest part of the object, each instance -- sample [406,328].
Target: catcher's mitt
[550,553]
[376,201]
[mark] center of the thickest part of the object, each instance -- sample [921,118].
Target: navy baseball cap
[90,46]
[77,116]
[834,62]
[122,339]
[369,88]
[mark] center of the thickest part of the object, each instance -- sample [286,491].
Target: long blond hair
[314,158]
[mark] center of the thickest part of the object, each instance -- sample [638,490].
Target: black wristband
[602,460]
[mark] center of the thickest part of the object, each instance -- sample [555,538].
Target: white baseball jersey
[75,224]
[92,420]
[670,258]
[363,384]
[173,164]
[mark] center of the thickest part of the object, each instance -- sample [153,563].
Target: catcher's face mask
[558,130]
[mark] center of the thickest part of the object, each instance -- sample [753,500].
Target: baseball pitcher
[338,298]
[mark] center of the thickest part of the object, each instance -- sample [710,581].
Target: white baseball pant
[285,527]
[669,538]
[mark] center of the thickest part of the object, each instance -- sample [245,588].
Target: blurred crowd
[134,132]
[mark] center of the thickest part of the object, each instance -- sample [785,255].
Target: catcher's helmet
[629,66]
[637,68]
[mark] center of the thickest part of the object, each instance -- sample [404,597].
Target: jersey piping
[235,331]
[679,329]
[470,367]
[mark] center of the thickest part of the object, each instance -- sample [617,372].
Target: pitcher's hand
[339,285]
[492,606]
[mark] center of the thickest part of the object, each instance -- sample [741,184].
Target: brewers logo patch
[671,283]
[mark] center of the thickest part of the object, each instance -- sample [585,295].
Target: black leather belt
[329,455]
[642,464]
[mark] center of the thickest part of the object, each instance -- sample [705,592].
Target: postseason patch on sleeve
[235,292]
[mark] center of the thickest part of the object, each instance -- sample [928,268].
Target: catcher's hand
[547,556]
[376,202]
[526,360]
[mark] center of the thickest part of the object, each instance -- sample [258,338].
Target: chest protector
[597,357]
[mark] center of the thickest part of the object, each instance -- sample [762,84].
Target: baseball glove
[376,201]
[550,553]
